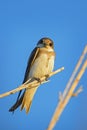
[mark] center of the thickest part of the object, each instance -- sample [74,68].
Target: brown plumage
[40,63]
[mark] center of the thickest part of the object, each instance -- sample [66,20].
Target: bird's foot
[38,79]
[47,76]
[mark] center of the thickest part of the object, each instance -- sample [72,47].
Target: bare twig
[31,85]
[64,101]
[79,90]
[75,71]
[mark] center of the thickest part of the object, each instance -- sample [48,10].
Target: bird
[40,63]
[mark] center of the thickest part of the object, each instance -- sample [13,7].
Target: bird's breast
[42,65]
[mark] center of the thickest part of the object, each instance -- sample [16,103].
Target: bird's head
[45,43]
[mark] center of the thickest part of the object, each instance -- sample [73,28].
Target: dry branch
[75,71]
[31,85]
[64,100]
[80,89]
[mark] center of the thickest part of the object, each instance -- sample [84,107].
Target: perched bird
[40,63]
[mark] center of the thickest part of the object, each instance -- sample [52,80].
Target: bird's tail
[25,100]
[17,104]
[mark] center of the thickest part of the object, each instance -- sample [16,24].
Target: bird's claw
[38,79]
[47,76]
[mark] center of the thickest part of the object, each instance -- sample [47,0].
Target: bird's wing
[31,60]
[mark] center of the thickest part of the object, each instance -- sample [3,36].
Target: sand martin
[40,63]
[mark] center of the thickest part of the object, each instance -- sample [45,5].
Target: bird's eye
[51,44]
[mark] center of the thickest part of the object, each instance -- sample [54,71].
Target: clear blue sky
[22,24]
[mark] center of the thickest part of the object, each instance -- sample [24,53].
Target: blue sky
[22,24]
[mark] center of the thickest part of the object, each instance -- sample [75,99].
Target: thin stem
[31,85]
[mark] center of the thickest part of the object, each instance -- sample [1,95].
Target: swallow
[40,63]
